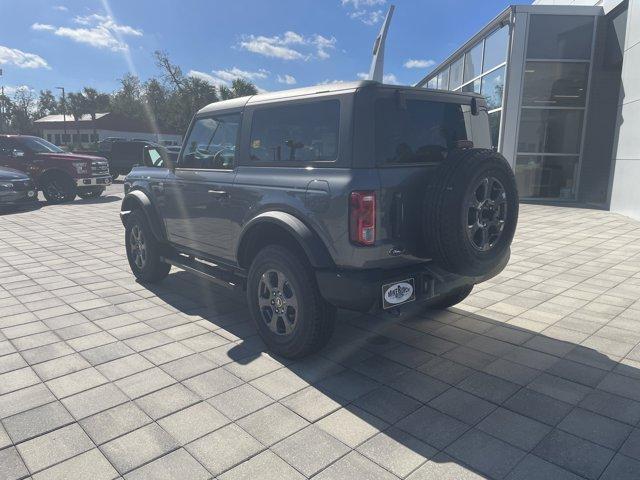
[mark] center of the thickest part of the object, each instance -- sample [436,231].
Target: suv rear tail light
[362,217]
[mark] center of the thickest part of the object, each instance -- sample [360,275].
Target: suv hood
[69,157]
[11,174]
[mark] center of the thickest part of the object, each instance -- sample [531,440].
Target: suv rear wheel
[143,250]
[59,188]
[290,314]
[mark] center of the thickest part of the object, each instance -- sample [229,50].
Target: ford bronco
[59,174]
[360,196]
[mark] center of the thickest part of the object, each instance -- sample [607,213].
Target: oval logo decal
[398,293]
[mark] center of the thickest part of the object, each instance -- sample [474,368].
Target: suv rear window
[299,133]
[416,131]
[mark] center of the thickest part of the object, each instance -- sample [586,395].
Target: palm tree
[77,106]
[95,102]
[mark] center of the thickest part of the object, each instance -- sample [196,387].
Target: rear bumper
[101,181]
[361,290]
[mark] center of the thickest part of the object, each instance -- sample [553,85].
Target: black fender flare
[137,199]
[309,241]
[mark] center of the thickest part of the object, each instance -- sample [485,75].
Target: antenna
[377,64]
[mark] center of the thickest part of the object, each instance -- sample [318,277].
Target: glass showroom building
[552,76]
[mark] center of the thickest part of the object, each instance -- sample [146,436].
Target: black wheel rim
[278,302]
[138,247]
[55,191]
[486,213]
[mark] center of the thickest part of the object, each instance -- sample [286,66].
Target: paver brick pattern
[535,375]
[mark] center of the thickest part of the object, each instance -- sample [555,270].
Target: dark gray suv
[360,196]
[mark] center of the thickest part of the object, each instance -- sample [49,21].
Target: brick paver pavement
[536,376]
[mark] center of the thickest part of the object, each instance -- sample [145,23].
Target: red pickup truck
[59,174]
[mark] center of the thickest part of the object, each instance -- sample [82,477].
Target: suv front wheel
[59,188]
[290,314]
[143,250]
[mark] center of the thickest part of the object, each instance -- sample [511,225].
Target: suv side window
[416,131]
[212,143]
[301,133]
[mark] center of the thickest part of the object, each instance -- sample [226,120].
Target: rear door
[413,135]
[198,191]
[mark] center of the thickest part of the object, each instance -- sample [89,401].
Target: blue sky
[276,44]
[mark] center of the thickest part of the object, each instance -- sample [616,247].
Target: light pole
[2,106]
[64,115]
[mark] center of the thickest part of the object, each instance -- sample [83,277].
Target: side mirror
[17,153]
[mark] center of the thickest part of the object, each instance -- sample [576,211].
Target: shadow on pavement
[436,394]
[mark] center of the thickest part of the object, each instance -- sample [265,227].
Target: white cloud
[13,56]
[60,8]
[412,63]
[225,77]
[287,79]
[289,46]
[365,10]
[42,26]
[100,31]
[390,78]
[10,90]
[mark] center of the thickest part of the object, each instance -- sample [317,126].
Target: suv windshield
[416,131]
[40,145]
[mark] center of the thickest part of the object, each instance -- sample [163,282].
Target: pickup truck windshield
[40,145]
[416,131]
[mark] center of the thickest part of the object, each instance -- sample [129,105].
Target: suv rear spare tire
[290,314]
[470,212]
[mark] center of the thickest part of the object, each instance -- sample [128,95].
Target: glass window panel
[433,83]
[473,86]
[560,36]
[305,132]
[455,80]
[550,131]
[494,127]
[493,88]
[495,48]
[546,176]
[473,62]
[212,143]
[421,132]
[443,79]
[555,84]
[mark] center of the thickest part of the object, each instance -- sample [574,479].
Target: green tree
[239,88]
[94,103]
[127,100]
[47,104]
[76,105]
[23,109]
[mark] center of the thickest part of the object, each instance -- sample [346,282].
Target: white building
[562,82]
[63,130]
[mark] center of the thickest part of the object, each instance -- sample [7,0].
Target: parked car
[16,189]
[360,196]
[123,155]
[59,174]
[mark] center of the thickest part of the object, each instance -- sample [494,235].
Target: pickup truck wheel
[92,192]
[143,250]
[59,188]
[452,298]
[471,212]
[290,314]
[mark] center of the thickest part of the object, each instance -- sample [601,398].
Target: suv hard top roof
[236,103]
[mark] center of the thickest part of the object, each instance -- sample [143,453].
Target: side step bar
[206,270]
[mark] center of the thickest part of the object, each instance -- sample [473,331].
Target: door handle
[218,193]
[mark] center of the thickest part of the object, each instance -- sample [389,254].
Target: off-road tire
[445,212]
[58,188]
[91,192]
[153,270]
[452,298]
[315,318]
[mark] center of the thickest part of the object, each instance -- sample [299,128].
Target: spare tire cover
[470,212]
